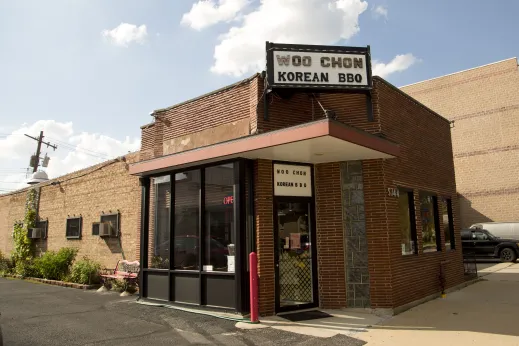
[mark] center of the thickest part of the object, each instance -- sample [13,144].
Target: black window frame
[412,217]
[448,201]
[436,219]
[69,220]
[171,291]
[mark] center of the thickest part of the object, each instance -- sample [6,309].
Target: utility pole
[38,150]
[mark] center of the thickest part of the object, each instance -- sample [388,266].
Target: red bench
[125,270]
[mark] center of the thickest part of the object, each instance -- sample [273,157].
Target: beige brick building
[483,104]
[106,188]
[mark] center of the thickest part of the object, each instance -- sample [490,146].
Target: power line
[75,147]
[72,149]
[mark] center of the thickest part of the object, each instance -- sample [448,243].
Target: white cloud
[205,13]
[242,49]
[398,64]
[380,11]
[126,33]
[75,151]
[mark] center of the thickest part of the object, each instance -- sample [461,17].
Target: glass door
[296,278]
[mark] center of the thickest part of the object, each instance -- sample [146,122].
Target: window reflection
[430,232]
[186,242]
[162,191]
[408,238]
[219,218]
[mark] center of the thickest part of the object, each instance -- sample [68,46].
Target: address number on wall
[393,192]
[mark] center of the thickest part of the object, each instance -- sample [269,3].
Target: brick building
[82,199]
[344,212]
[483,103]
[348,199]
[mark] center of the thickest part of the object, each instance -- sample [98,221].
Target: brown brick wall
[330,236]
[377,233]
[224,107]
[263,203]
[425,164]
[484,104]
[298,109]
[105,187]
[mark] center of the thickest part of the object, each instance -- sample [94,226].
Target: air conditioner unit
[35,233]
[105,230]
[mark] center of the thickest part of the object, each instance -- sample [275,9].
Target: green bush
[55,265]
[122,285]
[6,265]
[27,268]
[85,271]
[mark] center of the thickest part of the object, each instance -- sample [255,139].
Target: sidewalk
[481,314]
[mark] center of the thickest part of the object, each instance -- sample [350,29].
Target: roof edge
[462,71]
[225,88]
[73,175]
[409,97]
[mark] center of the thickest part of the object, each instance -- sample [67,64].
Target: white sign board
[320,68]
[306,66]
[292,180]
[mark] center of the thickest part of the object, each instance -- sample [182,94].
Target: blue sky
[91,91]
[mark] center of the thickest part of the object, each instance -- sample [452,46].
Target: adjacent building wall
[106,187]
[483,102]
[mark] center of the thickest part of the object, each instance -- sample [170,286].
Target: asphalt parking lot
[39,314]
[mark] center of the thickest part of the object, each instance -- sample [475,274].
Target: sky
[89,72]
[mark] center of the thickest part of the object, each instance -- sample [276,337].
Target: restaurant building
[340,182]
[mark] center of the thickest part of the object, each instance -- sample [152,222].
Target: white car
[509,230]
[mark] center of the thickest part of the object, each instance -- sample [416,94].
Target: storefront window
[219,218]
[162,192]
[448,225]
[430,229]
[407,221]
[187,208]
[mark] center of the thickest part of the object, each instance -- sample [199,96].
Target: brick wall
[263,204]
[102,188]
[300,108]
[425,164]
[330,236]
[199,120]
[484,104]
[12,209]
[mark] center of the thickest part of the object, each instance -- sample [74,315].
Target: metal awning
[320,141]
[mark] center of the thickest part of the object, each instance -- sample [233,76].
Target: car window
[466,235]
[477,235]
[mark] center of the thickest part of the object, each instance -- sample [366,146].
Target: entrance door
[296,268]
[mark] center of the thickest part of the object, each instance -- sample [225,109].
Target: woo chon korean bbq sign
[318,67]
[291,180]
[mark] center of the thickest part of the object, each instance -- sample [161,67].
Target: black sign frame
[364,51]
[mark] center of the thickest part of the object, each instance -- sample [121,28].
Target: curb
[53,282]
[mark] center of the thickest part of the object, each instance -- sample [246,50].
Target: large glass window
[448,225]
[430,229]
[187,221]
[160,231]
[406,218]
[219,218]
